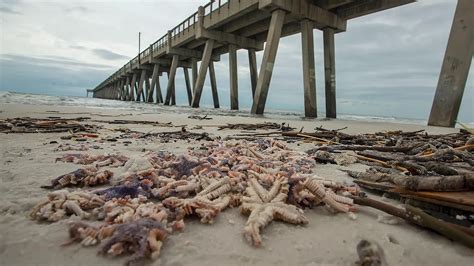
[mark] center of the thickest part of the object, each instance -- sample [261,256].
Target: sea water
[39,99]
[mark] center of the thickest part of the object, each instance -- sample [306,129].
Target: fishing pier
[225,26]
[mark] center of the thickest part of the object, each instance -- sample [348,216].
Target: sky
[387,64]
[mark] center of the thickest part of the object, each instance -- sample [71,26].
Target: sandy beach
[28,161]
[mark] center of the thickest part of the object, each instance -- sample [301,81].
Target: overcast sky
[387,64]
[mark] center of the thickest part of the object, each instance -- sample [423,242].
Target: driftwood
[136,122]
[463,182]
[416,216]
[47,125]
[261,126]
[183,134]
[199,117]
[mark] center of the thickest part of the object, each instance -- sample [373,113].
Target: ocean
[39,99]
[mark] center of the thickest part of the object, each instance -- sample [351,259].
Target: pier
[222,27]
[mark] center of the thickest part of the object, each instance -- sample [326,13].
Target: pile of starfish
[264,178]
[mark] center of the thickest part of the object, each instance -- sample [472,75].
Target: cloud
[108,55]
[25,75]
[78,47]
[79,9]
[55,61]
[8,10]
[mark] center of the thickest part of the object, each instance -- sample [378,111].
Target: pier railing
[162,43]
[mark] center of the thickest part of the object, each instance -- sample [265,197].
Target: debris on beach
[370,254]
[167,136]
[432,170]
[264,178]
[61,203]
[199,117]
[259,126]
[135,122]
[112,160]
[72,147]
[45,125]
[89,176]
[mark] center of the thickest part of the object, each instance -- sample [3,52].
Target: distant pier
[222,27]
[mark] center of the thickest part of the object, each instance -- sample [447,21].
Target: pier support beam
[188,85]
[147,88]
[154,76]
[206,58]
[126,89]
[132,87]
[234,89]
[170,91]
[309,79]
[194,70]
[155,83]
[455,68]
[253,69]
[266,69]
[329,72]
[140,85]
[212,76]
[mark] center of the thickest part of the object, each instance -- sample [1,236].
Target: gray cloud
[79,9]
[55,61]
[108,55]
[78,47]
[8,10]
[25,75]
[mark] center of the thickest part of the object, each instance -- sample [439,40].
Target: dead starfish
[88,176]
[61,203]
[336,202]
[86,234]
[183,167]
[207,203]
[267,205]
[142,237]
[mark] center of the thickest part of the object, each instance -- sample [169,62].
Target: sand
[27,161]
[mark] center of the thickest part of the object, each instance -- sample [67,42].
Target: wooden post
[212,76]
[455,68]
[266,69]
[206,58]
[140,84]
[172,75]
[188,85]
[234,90]
[253,69]
[330,72]
[132,87]
[309,79]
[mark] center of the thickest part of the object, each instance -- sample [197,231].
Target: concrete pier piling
[226,26]
[455,68]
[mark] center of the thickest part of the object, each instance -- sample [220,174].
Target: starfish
[143,238]
[267,205]
[336,202]
[207,203]
[183,167]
